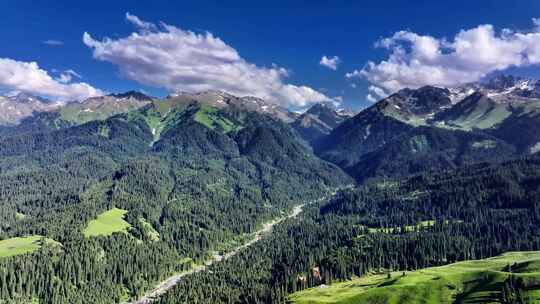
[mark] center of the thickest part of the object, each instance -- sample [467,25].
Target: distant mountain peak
[23,97]
[221,99]
[16,107]
[501,82]
[321,107]
[319,120]
[476,95]
[132,94]
[422,101]
[201,93]
[346,112]
[502,89]
[215,92]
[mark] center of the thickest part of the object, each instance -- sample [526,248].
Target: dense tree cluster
[474,212]
[200,189]
[204,188]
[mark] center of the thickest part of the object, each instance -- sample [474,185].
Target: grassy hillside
[474,112]
[211,118]
[479,281]
[99,108]
[107,223]
[21,245]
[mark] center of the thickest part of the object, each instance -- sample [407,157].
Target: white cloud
[536,22]
[29,77]
[73,73]
[353,74]
[53,42]
[338,99]
[375,93]
[180,60]
[353,85]
[417,60]
[330,62]
[64,78]
[67,76]
[139,23]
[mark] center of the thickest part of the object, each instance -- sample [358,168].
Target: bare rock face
[15,108]
[319,120]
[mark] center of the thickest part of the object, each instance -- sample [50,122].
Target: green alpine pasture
[478,281]
[107,223]
[482,117]
[211,118]
[79,113]
[21,245]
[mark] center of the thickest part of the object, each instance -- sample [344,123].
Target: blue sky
[293,35]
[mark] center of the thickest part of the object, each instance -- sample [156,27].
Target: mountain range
[437,128]
[16,107]
[404,133]
[194,175]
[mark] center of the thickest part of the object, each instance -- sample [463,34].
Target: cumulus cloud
[375,93]
[180,60]
[29,77]
[355,73]
[52,42]
[330,62]
[370,98]
[416,60]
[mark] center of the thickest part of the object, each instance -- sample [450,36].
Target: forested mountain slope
[208,177]
[100,211]
[431,128]
[398,225]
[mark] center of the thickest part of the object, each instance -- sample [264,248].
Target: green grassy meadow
[479,281]
[21,245]
[210,117]
[107,223]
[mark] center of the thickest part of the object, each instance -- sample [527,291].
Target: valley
[256,236]
[270,152]
[164,200]
[130,201]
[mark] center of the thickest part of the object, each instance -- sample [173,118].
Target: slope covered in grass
[211,118]
[21,245]
[107,223]
[479,281]
[477,111]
